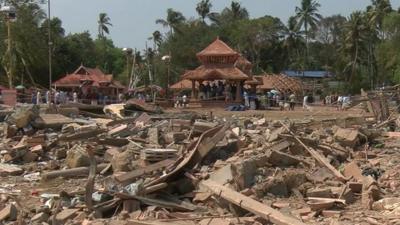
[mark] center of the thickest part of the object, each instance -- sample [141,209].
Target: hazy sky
[134,20]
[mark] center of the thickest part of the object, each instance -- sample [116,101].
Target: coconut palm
[157,39]
[293,38]
[355,38]
[103,23]
[174,19]
[307,16]
[238,12]
[203,9]
[377,12]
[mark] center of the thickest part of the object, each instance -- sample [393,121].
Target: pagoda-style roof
[244,65]
[218,48]
[218,61]
[215,73]
[89,77]
[218,52]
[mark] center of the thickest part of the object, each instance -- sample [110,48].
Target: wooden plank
[129,177]
[320,159]
[250,204]
[82,135]
[158,202]
[195,151]
[52,120]
[75,172]
[141,222]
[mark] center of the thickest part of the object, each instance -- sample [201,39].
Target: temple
[220,62]
[89,82]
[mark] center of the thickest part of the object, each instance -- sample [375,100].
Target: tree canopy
[362,49]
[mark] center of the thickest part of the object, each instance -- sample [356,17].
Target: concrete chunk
[10,170]
[319,192]
[347,137]
[278,158]
[122,162]
[9,213]
[352,170]
[77,157]
[66,215]
[153,136]
[40,217]
[174,137]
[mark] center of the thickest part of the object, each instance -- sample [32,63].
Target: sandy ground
[316,113]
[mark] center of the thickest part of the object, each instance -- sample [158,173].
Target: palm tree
[293,38]
[307,16]
[238,12]
[203,9]
[103,23]
[174,19]
[157,39]
[355,38]
[377,12]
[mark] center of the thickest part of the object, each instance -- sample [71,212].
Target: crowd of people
[63,97]
[342,102]
[217,90]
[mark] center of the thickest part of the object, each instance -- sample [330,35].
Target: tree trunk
[354,65]
[306,30]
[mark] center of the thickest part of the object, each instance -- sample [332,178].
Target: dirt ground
[316,113]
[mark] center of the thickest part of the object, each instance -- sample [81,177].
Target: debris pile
[187,168]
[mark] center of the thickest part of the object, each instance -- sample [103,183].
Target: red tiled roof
[217,48]
[280,83]
[183,85]
[93,76]
[254,81]
[214,72]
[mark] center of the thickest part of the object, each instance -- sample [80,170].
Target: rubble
[137,167]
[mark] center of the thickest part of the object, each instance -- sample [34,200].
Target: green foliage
[363,49]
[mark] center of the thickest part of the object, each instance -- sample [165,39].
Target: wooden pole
[250,204]
[320,159]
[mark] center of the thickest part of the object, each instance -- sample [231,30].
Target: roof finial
[218,37]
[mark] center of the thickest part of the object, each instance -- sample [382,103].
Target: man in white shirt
[75,97]
[305,102]
[38,98]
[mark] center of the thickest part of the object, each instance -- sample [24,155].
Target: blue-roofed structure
[308,74]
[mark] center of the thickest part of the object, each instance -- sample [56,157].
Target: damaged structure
[145,167]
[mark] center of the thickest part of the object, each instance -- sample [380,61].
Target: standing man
[246,99]
[38,97]
[227,91]
[208,90]
[292,101]
[57,97]
[48,97]
[305,102]
[75,97]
